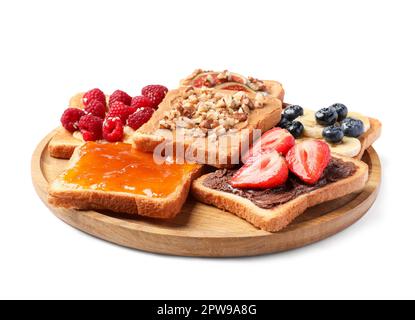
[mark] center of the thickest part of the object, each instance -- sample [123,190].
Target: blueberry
[341,110]
[284,122]
[293,112]
[333,134]
[352,127]
[326,116]
[296,128]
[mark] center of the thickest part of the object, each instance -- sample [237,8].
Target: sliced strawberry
[263,171]
[237,78]
[234,87]
[275,139]
[308,159]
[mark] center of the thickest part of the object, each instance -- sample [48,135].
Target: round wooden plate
[202,230]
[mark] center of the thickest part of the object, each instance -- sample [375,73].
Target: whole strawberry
[94,94]
[96,108]
[91,127]
[113,130]
[155,93]
[140,117]
[120,110]
[70,118]
[141,102]
[121,96]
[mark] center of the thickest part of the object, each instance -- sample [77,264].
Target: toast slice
[63,144]
[235,82]
[224,149]
[370,136]
[66,194]
[279,216]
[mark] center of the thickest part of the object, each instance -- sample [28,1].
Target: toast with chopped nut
[212,126]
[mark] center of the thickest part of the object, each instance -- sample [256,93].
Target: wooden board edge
[219,246]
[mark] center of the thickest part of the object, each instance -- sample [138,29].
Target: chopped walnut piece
[259,100]
[241,117]
[256,84]
[199,112]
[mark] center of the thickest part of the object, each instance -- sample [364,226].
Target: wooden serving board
[202,230]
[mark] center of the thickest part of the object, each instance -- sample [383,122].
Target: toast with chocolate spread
[273,209]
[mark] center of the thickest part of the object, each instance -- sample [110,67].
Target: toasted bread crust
[63,144]
[275,219]
[370,136]
[62,195]
[275,89]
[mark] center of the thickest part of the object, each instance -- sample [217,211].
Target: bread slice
[370,136]
[149,136]
[277,218]
[62,194]
[63,144]
[273,88]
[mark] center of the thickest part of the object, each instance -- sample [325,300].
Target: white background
[360,53]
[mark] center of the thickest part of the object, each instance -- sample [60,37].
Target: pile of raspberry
[101,121]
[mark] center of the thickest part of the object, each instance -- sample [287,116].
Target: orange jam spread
[119,168]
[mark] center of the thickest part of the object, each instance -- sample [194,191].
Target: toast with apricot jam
[112,176]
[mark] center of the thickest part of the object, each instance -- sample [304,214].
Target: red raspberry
[137,119]
[120,110]
[113,130]
[70,118]
[141,102]
[155,93]
[91,127]
[94,94]
[96,108]
[119,95]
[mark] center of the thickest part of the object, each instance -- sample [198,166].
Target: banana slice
[365,120]
[311,128]
[349,147]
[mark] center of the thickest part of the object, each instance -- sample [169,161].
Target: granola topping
[199,113]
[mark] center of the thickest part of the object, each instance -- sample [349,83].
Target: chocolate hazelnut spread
[294,187]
